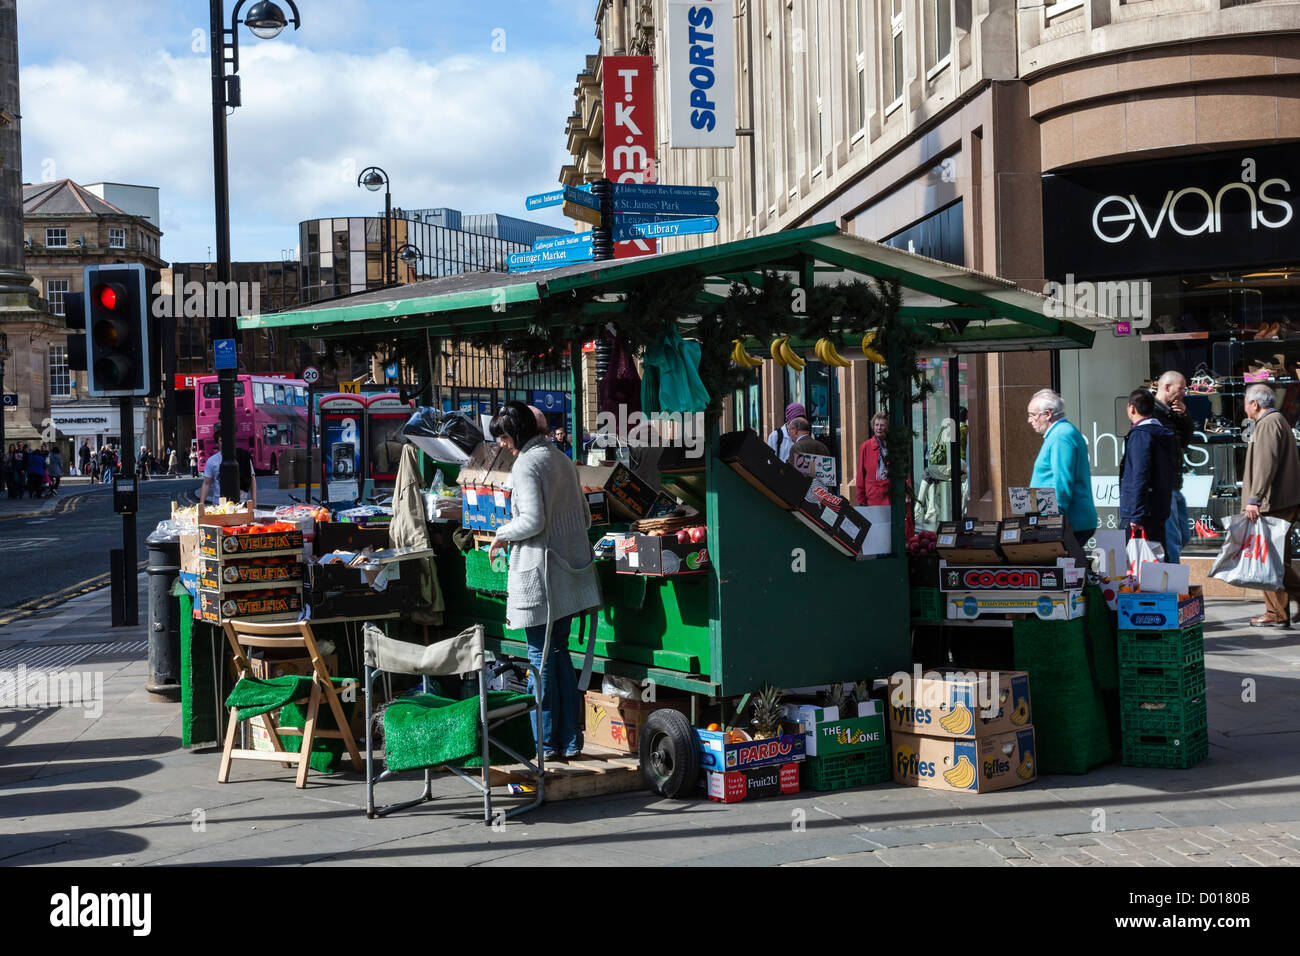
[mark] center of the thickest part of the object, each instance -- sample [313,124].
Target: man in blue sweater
[1146,472]
[1062,463]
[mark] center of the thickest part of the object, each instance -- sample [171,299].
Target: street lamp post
[372,177]
[265,20]
[410,256]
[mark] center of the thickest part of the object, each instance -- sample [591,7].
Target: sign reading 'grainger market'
[1222,211]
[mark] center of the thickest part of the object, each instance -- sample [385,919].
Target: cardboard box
[1154,611]
[719,755]
[280,604]
[809,714]
[191,560]
[1044,605]
[598,505]
[264,668]
[752,784]
[659,555]
[992,763]
[665,504]
[243,515]
[851,532]
[974,577]
[749,456]
[1025,501]
[216,542]
[933,704]
[823,508]
[834,738]
[1038,539]
[629,494]
[616,722]
[969,542]
[267,572]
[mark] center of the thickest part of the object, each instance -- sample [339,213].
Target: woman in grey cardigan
[552,576]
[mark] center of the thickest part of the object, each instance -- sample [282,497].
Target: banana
[832,356]
[1026,769]
[776,351]
[791,359]
[735,354]
[962,775]
[959,722]
[1021,713]
[753,361]
[869,351]
[820,351]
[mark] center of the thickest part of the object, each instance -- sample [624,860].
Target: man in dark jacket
[1172,413]
[1146,473]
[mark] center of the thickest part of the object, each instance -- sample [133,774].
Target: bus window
[259,394]
[279,394]
[213,389]
[271,431]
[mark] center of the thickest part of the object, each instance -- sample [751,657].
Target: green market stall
[750,619]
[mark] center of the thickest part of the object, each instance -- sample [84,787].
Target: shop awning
[967,311]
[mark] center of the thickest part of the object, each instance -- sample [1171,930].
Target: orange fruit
[714,726]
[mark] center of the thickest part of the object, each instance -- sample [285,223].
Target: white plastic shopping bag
[1140,551]
[1252,553]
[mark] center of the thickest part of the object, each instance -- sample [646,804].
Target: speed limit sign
[311,375]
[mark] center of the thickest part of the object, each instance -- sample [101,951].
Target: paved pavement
[111,785]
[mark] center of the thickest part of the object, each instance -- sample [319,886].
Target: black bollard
[164,617]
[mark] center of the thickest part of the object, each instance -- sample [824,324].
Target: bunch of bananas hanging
[782,354]
[961,776]
[827,354]
[742,357]
[959,722]
[869,349]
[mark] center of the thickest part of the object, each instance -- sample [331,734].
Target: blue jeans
[1176,533]
[561,710]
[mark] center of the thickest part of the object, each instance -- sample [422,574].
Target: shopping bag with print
[1141,550]
[1252,553]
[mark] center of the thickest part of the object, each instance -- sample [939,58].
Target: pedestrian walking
[1171,389]
[1146,472]
[54,465]
[171,461]
[142,464]
[1270,486]
[83,457]
[781,441]
[1062,463]
[10,470]
[194,462]
[24,460]
[107,460]
[873,464]
[36,475]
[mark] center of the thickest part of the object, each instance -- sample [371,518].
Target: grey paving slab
[961,854]
[867,858]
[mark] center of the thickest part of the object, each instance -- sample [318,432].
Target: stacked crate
[842,752]
[1162,697]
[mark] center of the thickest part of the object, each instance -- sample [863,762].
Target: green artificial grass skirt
[253,696]
[428,731]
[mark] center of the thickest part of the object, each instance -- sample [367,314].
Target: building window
[1052,10]
[116,238]
[856,30]
[892,55]
[815,86]
[56,238]
[55,291]
[60,380]
[938,34]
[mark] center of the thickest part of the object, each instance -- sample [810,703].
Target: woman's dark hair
[517,421]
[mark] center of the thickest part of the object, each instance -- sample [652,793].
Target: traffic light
[118,352]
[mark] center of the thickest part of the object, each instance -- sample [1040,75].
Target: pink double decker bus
[270,417]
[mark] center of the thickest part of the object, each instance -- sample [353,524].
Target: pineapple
[861,693]
[766,710]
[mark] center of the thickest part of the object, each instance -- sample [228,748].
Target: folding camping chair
[456,655]
[291,634]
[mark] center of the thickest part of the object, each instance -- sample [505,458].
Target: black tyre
[670,754]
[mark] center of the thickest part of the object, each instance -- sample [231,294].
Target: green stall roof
[998,315]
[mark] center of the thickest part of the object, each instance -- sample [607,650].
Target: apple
[697,534]
[683,536]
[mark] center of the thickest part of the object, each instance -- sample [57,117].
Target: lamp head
[373,180]
[265,19]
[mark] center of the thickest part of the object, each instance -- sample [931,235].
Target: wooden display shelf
[597,772]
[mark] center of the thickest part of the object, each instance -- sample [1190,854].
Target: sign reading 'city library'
[1200,213]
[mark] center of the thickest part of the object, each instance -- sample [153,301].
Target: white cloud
[476,132]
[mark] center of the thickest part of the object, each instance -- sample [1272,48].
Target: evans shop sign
[1226,210]
[701,74]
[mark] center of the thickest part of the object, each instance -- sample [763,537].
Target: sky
[462,104]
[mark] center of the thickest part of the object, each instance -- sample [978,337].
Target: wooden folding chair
[292,634]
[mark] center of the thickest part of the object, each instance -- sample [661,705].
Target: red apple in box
[697,534]
[683,536]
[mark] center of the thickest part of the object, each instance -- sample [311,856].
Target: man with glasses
[1062,463]
[1270,486]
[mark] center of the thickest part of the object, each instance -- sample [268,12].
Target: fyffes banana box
[958,704]
[979,766]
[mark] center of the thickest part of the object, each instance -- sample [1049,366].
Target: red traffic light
[110,295]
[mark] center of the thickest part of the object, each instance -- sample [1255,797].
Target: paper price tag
[1012,534]
[947,540]
[499,498]
[471,497]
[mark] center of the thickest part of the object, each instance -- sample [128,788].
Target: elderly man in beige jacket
[1270,486]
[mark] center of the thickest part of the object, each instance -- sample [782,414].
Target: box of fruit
[752,784]
[993,763]
[216,576]
[723,750]
[278,537]
[966,704]
[679,552]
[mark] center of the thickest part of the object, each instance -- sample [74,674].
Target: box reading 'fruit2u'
[959,704]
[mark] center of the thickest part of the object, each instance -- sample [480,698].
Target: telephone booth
[342,443]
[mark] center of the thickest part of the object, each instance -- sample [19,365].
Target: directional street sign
[583,213]
[664,228]
[563,242]
[655,191]
[665,207]
[548,258]
[552,198]
[582,197]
